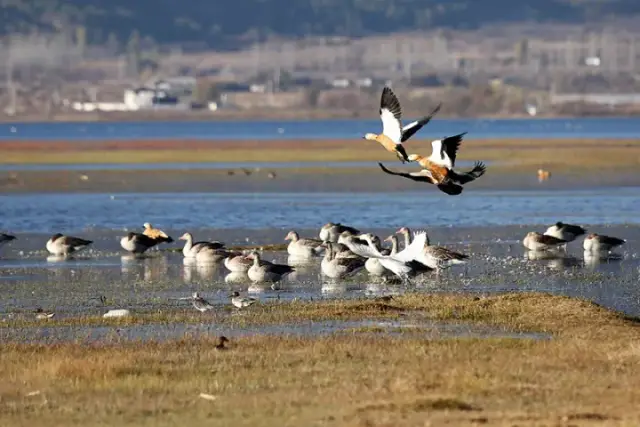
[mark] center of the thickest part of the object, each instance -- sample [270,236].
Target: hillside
[213,21]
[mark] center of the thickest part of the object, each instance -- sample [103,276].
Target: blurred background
[104,60]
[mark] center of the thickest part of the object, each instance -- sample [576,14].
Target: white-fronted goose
[238,263]
[137,243]
[566,232]
[535,241]
[598,243]
[241,302]
[264,271]
[190,248]
[393,134]
[438,170]
[436,257]
[303,248]
[200,303]
[338,268]
[156,233]
[330,232]
[59,244]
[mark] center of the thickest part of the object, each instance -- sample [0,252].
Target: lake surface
[609,128]
[50,213]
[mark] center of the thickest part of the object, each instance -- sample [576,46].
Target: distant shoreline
[271,115]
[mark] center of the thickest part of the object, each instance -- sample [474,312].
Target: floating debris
[121,312]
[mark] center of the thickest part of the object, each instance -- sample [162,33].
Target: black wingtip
[451,189]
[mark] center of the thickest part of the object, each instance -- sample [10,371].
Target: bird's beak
[388,239]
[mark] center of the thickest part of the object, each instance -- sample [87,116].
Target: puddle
[161,332]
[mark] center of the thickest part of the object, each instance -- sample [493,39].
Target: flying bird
[438,169]
[393,134]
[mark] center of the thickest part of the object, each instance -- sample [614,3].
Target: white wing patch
[412,251]
[391,127]
[439,156]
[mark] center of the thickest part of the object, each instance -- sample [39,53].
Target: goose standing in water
[238,263]
[437,169]
[241,302]
[264,271]
[330,232]
[393,134]
[598,243]
[191,249]
[535,241]
[6,238]
[436,257]
[303,248]
[200,303]
[137,243]
[338,268]
[59,244]
[566,232]
[208,255]
[372,265]
[156,233]
[401,264]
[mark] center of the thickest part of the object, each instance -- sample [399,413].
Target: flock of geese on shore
[345,250]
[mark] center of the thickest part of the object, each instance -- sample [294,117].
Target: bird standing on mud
[393,134]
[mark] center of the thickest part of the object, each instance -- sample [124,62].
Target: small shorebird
[264,271]
[338,268]
[566,232]
[200,303]
[535,241]
[437,169]
[393,134]
[6,238]
[330,232]
[59,244]
[220,343]
[598,243]
[156,233]
[42,315]
[241,302]
[436,257]
[302,247]
[191,249]
[137,243]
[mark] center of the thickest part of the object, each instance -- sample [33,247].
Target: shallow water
[592,127]
[208,328]
[30,279]
[80,213]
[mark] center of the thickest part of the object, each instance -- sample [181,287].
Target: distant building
[139,98]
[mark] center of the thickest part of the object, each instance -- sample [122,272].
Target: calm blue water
[76,212]
[609,128]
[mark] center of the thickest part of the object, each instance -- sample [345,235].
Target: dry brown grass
[586,375]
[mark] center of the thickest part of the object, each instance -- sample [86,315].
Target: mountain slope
[210,21]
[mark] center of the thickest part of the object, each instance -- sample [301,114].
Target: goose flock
[344,250]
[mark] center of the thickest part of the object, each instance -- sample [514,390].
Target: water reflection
[236,277]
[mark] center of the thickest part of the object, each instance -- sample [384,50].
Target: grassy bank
[559,155]
[586,374]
